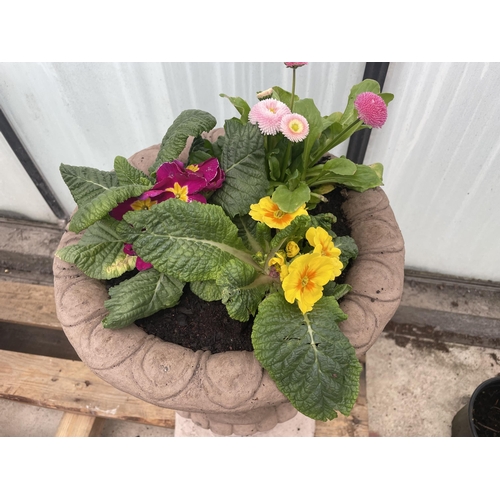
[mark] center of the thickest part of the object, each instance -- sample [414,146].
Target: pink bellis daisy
[372,109]
[294,127]
[267,114]
[294,65]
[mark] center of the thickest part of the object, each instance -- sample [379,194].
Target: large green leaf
[191,241]
[241,105]
[365,177]
[206,290]
[127,174]
[191,122]
[99,254]
[309,358]
[240,292]
[140,296]
[308,109]
[243,160]
[87,183]
[100,206]
[291,200]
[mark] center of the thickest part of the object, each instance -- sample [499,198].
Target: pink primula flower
[294,127]
[372,109]
[267,115]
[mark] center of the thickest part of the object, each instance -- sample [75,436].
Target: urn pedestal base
[298,426]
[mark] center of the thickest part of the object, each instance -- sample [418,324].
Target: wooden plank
[71,387]
[355,425]
[73,425]
[35,340]
[28,304]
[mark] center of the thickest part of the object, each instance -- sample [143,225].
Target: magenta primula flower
[372,109]
[140,265]
[186,184]
[267,115]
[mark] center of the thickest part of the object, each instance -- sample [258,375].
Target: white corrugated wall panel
[88,113]
[441,151]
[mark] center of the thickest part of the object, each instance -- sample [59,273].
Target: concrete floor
[412,391]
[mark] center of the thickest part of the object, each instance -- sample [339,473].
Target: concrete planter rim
[232,384]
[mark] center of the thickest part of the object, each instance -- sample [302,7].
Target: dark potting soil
[199,325]
[486,412]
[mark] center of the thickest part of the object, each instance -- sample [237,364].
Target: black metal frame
[358,142]
[30,167]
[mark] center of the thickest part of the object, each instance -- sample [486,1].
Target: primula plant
[236,224]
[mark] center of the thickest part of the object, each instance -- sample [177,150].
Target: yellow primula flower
[307,275]
[323,245]
[292,249]
[269,213]
[180,192]
[279,263]
[143,204]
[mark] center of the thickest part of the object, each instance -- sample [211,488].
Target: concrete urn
[230,392]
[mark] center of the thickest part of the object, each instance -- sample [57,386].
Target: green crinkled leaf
[206,290]
[191,122]
[99,254]
[144,294]
[296,230]
[87,183]
[243,160]
[240,294]
[323,220]
[348,248]
[309,358]
[241,106]
[100,206]
[191,241]
[128,175]
[290,201]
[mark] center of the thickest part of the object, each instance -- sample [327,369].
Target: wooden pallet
[38,366]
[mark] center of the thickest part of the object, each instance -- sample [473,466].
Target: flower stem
[337,140]
[293,90]
[288,152]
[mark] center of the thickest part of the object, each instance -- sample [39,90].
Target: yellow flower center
[179,191]
[193,168]
[304,281]
[143,204]
[296,126]
[278,214]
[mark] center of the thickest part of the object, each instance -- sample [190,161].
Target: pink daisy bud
[294,127]
[372,110]
[268,114]
[295,64]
